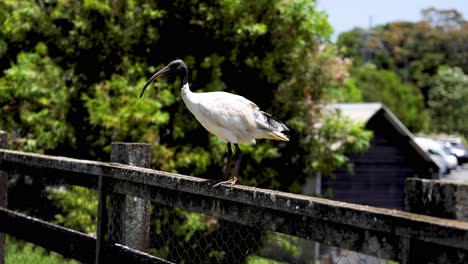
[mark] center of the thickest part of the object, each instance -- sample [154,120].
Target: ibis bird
[232,118]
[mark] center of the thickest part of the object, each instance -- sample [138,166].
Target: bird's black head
[177,66]
[174,67]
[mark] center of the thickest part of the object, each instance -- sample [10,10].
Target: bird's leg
[228,163]
[237,157]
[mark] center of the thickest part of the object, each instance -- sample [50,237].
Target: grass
[19,252]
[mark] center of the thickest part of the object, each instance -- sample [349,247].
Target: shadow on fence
[182,219]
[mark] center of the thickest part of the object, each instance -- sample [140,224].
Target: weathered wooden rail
[388,234]
[69,243]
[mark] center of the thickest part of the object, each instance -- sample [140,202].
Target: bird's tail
[276,129]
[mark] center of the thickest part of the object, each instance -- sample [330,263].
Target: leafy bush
[79,206]
[18,252]
[35,102]
[80,66]
[447,101]
[101,52]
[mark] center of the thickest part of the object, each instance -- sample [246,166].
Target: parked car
[447,162]
[456,146]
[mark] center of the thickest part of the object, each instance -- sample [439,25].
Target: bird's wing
[229,111]
[239,118]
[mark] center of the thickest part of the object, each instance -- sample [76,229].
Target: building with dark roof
[378,175]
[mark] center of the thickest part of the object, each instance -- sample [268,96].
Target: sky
[347,14]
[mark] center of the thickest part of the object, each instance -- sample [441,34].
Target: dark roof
[363,112]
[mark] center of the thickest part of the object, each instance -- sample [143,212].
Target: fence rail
[389,234]
[67,242]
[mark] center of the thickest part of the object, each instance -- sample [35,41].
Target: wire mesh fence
[191,222]
[181,236]
[52,200]
[175,234]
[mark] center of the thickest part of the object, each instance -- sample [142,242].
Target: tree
[344,89]
[101,52]
[271,53]
[447,101]
[414,50]
[34,104]
[402,99]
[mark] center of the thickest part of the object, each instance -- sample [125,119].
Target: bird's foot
[228,182]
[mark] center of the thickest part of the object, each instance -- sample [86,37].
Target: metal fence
[182,236]
[182,219]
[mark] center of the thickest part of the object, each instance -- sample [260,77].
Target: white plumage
[232,118]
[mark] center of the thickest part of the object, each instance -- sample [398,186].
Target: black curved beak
[164,71]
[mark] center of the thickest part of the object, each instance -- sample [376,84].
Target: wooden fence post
[3,194]
[436,198]
[129,217]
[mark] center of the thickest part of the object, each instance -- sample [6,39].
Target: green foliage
[405,101]
[35,100]
[79,206]
[181,236]
[342,88]
[120,115]
[337,136]
[109,45]
[18,252]
[260,260]
[348,92]
[73,71]
[414,50]
[447,101]
[186,226]
[289,244]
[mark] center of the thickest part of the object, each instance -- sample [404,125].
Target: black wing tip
[273,122]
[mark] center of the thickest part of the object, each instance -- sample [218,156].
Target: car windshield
[459,145]
[447,151]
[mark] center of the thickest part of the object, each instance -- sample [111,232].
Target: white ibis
[232,118]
